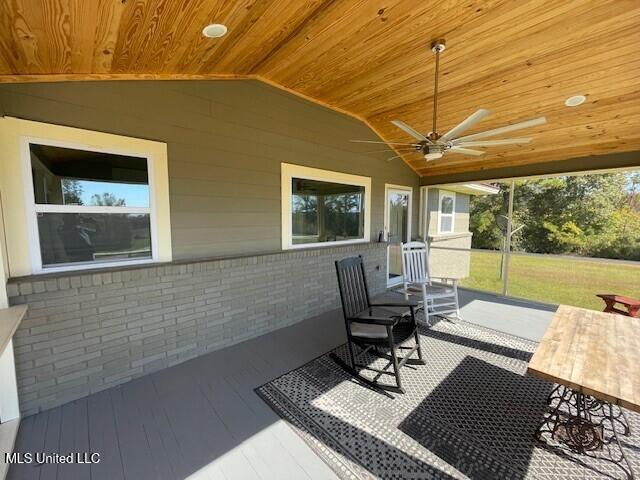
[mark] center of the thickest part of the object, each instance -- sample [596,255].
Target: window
[320,207]
[89,208]
[446,211]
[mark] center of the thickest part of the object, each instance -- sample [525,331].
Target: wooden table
[631,305]
[594,357]
[592,352]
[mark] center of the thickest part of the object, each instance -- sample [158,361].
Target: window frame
[33,208]
[290,171]
[442,194]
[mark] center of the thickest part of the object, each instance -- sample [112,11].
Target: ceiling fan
[433,145]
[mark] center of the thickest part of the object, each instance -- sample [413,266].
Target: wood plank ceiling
[518,58]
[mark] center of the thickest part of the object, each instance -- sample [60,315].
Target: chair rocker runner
[438,298]
[374,328]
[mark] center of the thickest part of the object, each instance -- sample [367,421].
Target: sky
[135,195]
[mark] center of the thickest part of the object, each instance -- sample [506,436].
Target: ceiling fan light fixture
[215,30]
[433,156]
[575,100]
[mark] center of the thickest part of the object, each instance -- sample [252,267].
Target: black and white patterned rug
[470,412]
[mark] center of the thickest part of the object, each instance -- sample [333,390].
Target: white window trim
[289,171]
[452,215]
[33,208]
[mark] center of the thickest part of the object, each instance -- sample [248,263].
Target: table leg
[609,305]
[586,426]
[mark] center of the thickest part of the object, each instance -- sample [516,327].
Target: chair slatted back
[415,266]
[352,284]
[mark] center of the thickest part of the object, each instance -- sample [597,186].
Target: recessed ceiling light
[575,100]
[215,30]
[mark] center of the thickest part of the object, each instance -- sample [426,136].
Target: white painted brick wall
[85,333]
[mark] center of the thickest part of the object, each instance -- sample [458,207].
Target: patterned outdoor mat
[470,412]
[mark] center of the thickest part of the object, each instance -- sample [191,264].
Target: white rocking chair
[438,297]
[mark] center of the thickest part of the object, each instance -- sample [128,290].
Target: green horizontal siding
[226,140]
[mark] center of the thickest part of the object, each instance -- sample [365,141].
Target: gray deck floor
[510,315]
[202,419]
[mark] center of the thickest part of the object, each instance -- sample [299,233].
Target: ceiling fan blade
[409,130]
[466,151]
[506,129]
[385,143]
[399,149]
[491,143]
[469,122]
[393,158]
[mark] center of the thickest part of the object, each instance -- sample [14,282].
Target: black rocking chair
[374,328]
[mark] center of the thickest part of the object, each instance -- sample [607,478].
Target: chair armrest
[404,303]
[363,318]
[453,280]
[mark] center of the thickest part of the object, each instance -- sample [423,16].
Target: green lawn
[555,280]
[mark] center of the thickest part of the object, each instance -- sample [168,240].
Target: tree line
[588,215]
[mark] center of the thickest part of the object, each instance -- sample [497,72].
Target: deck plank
[37,442]
[164,446]
[23,444]
[271,359]
[137,460]
[284,437]
[74,437]
[49,471]
[200,428]
[264,451]
[140,393]
[196,456]
[103,438]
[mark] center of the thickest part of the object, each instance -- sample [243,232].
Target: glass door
[397,226]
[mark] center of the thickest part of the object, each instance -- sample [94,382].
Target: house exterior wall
[87,332]
[443,262]
[461,218]
[225,142]
[450,263]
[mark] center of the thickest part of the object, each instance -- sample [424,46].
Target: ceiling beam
[91,77]
[610,161]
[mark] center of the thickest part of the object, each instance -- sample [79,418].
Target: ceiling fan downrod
[436,47]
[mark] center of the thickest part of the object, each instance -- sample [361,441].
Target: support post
[322,233]
[507,248]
